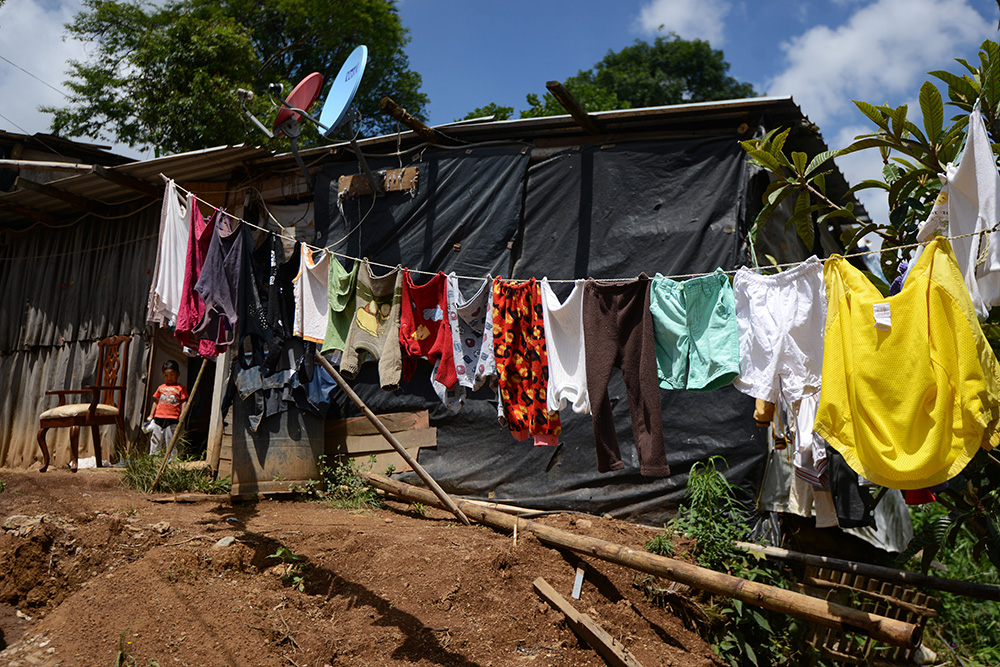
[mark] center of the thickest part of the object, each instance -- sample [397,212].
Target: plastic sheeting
[609,211]
[61,290]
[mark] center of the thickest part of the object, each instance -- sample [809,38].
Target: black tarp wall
[603,211]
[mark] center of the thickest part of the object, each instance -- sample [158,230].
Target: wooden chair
[106,403]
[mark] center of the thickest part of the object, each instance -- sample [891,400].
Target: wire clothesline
[551,280]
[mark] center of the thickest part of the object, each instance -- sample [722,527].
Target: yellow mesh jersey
[911,388]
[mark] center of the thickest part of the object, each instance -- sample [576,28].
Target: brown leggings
[618,331]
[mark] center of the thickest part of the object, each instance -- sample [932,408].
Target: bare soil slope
[89,568]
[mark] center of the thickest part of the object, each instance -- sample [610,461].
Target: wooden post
[814,610]
[180,425]
[573,107]
[967,588]
[447,500]
[389,106]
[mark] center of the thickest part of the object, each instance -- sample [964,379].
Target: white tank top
[311,287]
[564,345]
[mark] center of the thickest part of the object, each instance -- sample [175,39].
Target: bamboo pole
[967,588]
[447,500]
[180,425]
[814,610]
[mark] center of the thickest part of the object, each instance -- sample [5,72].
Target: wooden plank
[393,180]
[394,421]
[606,645]
[372,444]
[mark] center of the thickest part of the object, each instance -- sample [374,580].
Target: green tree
[670,70]
[491,109]
[166,76]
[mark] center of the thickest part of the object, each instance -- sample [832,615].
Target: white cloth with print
[310,287]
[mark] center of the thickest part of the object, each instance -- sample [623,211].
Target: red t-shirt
[424,331]
[168,399]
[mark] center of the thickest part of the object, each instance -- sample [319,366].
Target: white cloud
[690,19]
[31,36]
[882,52]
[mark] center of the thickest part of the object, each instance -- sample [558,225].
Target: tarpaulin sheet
[610,211]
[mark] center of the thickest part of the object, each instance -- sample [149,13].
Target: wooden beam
[814,610]
[30,213]
[78,201]
[406,118]
[574,108]
[129,182]
[612,651]
[32,165]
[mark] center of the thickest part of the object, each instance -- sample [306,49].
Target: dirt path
[91,568]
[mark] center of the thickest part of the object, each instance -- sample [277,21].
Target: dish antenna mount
[336,111]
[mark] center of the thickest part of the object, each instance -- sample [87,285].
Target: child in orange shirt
[168,402]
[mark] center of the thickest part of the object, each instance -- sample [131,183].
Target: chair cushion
[77,410]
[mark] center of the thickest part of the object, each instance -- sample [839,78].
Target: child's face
[170,376]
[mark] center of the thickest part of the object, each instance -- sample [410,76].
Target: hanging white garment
[564,347]
[970,193]
[168,272]
[310,287]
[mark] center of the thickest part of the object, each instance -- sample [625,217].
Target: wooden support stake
[180,424]
[573,107]
[389,106]
[443,497]
[613,652]
[814,610]
[967,588]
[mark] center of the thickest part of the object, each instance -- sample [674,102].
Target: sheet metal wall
[61,290]
[603,211]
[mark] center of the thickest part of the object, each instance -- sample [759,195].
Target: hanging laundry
[780,320]
[219,282]
[910,384]
[424,332]
[374,331]
[564,346]
[310,287]
[168,272]
[971,193]
[192,308]
[340,294]
[280,310]
[618,332]
[521,359]
[697,338]
[471,322]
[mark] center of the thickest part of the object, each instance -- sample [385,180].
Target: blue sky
[823,53]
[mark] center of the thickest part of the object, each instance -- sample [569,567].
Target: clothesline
[681,276]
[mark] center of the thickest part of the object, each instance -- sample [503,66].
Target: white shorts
[781,320]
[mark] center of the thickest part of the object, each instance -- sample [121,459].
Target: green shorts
[697,339]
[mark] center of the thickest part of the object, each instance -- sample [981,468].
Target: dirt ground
[89,569]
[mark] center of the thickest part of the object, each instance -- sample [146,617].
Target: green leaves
[932,109]
[165,74]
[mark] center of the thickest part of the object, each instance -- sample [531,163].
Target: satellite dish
[335,112]
[299,100]
[343,90]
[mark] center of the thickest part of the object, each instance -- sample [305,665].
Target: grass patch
[140,472]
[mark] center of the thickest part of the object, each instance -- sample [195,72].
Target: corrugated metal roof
[739,117]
